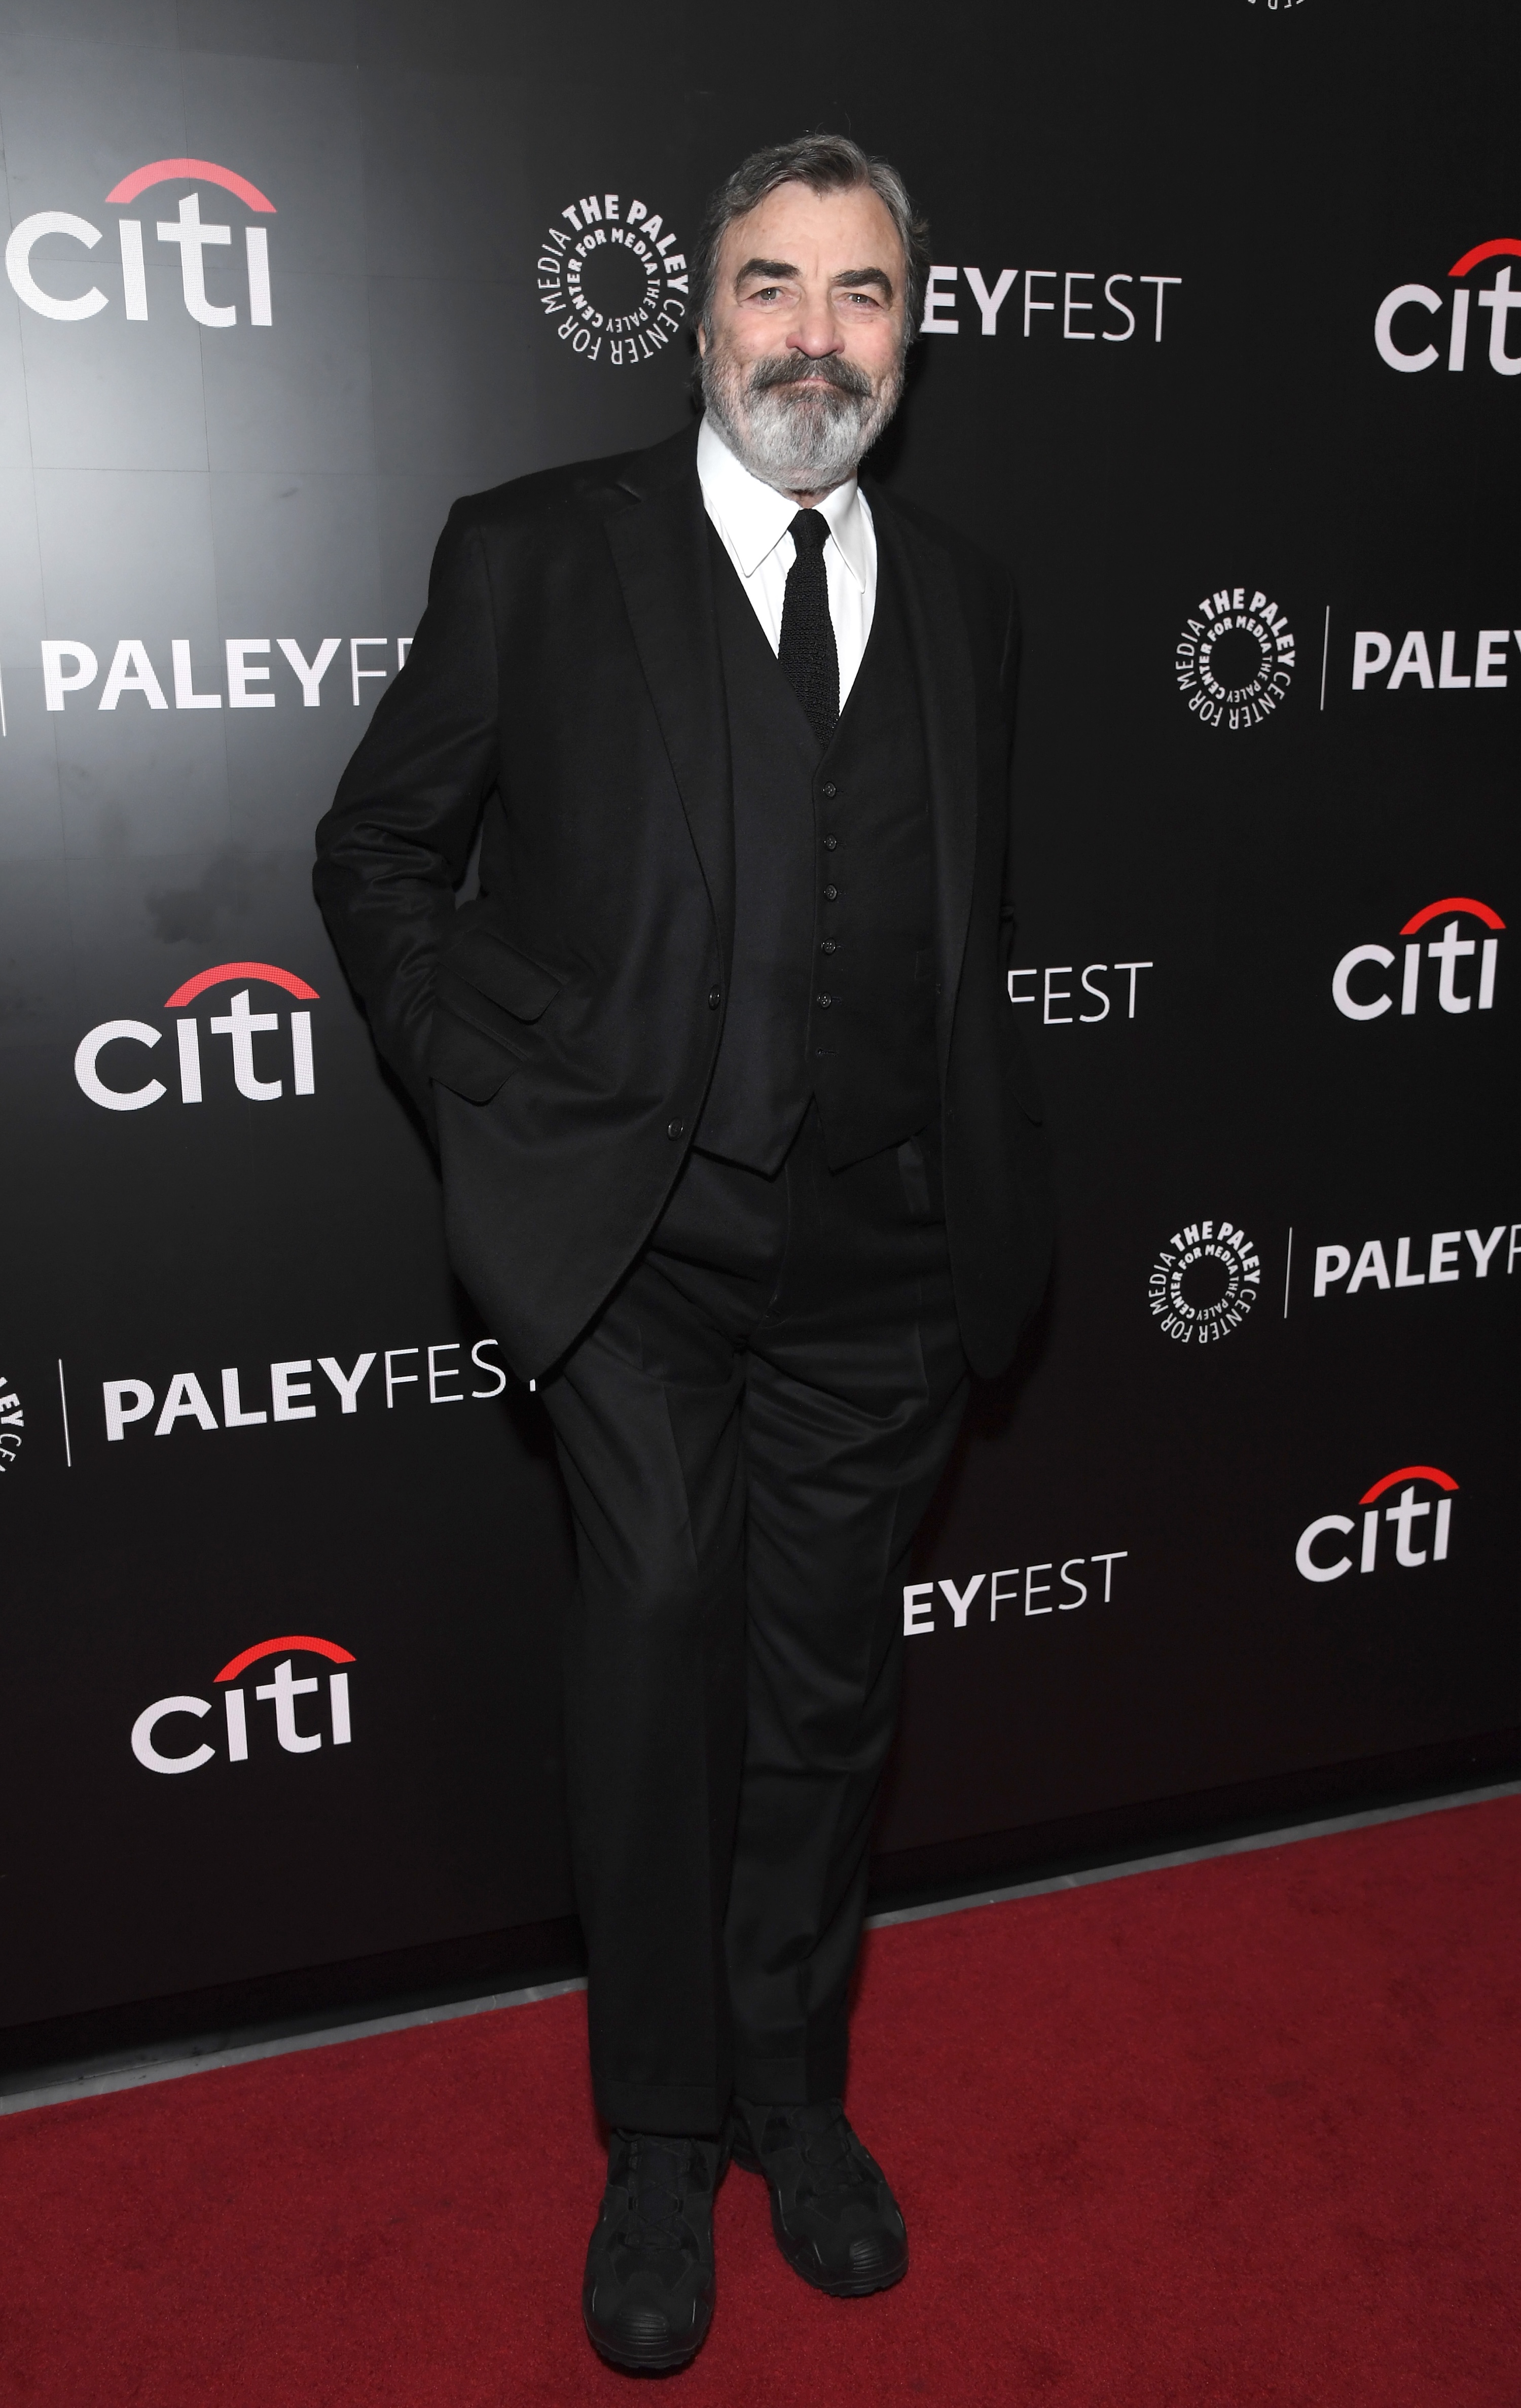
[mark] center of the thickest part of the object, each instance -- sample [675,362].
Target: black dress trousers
[751,1431]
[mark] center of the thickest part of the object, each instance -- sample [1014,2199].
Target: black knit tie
[807,652]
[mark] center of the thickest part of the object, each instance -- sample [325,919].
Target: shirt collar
[753,516]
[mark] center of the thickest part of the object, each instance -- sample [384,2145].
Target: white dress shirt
[752,521]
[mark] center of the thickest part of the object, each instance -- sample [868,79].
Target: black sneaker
[836,2222]
[648,2296]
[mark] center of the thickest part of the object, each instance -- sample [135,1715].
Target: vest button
[832,893]
[823,1001]
[674,1128]
[829,843]
[829,946]
[715,997]
[830,792]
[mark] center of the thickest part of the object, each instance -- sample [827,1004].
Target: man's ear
[702,344]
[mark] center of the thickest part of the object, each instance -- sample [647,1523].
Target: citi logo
[1393,332]
[1435,1514]
[1451,951]
[280,1691]
[239,1024]
[185,234]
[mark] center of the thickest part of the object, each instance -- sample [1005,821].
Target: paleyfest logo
[1400,337]
[1205,1283]
[1234,659]
[185,233]
[612,279]
[280,1690]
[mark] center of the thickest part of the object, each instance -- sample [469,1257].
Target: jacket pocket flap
[473,1061]
[482,959]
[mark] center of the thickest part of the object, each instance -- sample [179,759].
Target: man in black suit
[740,1161]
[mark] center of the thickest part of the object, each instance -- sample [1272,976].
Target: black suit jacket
[565,682]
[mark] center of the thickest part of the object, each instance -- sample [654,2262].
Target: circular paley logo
[12,1425]
[1234,659]
[1205,1283]
[612,279]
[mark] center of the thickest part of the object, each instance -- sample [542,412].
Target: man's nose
[816,334]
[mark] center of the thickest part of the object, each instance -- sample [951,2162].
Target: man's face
[805,361]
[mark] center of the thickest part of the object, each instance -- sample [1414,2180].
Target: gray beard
[800,443]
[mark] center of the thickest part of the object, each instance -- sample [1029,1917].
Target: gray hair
[825,162]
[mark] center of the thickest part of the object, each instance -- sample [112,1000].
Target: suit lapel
[660,548]
[947,695]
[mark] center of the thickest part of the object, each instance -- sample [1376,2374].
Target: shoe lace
[827,2147]
[654,2172]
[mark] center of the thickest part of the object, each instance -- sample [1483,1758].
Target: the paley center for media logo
[42,283]
[1408,319]
[12,1425]
[1234,658]
[158,1731]
[283,1065]
[1205,1283]
[612,279]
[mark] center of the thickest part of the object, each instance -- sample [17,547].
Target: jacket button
[829,843]
[674,1128]
[715,997]
[829,946]
[832,893]
[832,792]
[823,1001]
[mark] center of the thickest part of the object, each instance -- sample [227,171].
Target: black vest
[831,990]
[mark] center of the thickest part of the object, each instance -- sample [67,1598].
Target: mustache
[769,376]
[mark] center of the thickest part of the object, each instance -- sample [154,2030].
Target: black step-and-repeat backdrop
[1220,355]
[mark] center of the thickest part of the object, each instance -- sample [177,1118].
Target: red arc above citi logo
[1391,325]
[1450,949]
[240,1023]
[185,233]
[1406,1511]
[280,1691]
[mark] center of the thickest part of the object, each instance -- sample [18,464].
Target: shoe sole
[838,2288]
[650,2361]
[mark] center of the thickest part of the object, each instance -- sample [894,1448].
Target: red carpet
[1243,2132]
